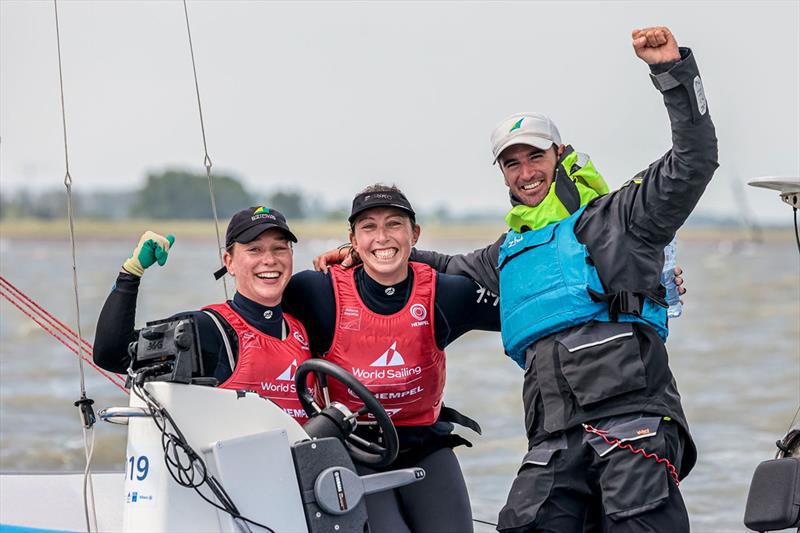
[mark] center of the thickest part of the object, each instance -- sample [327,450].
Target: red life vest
[267,365]
[395,356]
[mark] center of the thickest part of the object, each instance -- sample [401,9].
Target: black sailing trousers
[576,482]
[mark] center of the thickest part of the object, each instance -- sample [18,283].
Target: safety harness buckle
[630,303]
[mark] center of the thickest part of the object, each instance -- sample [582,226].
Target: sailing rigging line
[84,404]
[206,160]
[55,328]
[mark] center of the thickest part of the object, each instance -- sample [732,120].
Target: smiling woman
[383,230]
[262,267]
[247,342]
[388,323]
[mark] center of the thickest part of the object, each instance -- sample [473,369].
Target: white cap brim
[529,139]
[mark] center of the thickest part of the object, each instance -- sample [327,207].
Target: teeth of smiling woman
[268,275]
[385,254]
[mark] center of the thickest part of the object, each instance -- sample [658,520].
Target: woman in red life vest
[247,342]
[387,322]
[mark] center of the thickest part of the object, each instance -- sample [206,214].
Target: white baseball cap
[533,129]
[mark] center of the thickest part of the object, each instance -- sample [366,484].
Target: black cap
[249,223]
[246,225]
[368,200]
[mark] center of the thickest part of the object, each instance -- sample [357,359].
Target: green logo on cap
[260,210]
[516,125]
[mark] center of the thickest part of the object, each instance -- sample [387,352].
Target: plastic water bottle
[668,281]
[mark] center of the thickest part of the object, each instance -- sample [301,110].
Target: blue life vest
[545,277]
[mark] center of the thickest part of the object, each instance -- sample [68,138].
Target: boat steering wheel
[361,450]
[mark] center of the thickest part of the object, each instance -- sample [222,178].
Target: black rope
[796,234]
[484,522]
[182,471]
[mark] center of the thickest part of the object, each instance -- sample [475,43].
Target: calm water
[735,354]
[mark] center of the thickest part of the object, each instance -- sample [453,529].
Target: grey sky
[330,96]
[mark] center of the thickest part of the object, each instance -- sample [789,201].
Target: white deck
[55,500]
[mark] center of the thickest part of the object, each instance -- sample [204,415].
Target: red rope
[636,451]
[43,312]
[60,336]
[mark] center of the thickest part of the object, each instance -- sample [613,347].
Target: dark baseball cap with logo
[368,200]
[246,225]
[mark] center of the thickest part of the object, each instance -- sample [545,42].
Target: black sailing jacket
[625,233]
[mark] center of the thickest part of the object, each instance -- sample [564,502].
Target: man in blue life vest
[583,312]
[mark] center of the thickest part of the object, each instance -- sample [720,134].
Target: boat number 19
[141,465]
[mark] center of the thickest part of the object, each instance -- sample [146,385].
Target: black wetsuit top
[115,329]
[309,298]
[441,501]
[459,307]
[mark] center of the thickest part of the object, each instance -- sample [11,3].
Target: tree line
[170,194]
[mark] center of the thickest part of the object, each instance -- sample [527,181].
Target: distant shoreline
[305,229]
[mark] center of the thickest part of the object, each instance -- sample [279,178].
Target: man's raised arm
[671,187]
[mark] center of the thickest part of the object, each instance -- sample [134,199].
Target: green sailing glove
[152,248]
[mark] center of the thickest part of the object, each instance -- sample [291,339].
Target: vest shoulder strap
[566,190]
[230,338]
[448,414]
